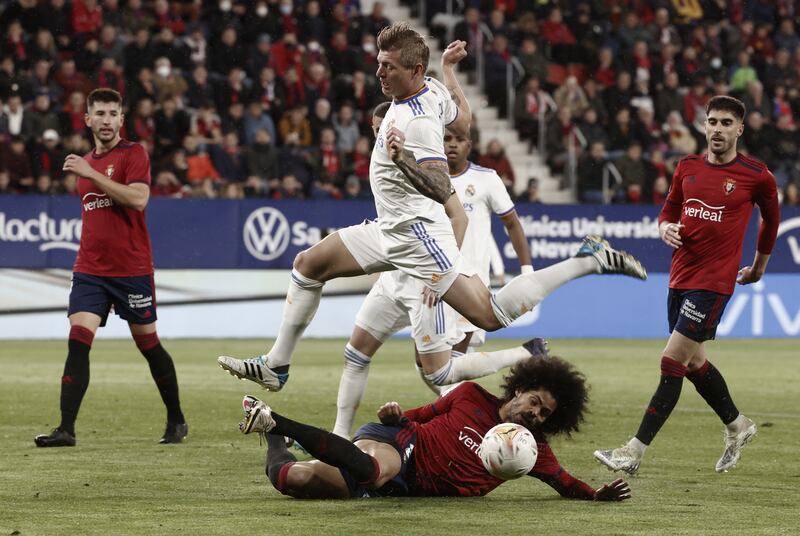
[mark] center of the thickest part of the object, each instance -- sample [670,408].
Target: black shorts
[695,313]
[403,439]
[133,298]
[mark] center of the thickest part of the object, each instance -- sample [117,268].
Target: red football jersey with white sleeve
[114,239]
[714,203]
[449,432]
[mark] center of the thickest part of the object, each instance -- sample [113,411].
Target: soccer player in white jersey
[395,302]
[410,182]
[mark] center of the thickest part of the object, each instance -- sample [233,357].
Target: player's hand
[429,297]
[76,164]
[748,275]
[390,414]
[454,53]
[619,490]
[671,234]
[395,143]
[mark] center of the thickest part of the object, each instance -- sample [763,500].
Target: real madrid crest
[110,171]
[729,185]
[470,190]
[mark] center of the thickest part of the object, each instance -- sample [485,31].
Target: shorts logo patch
[435,278]
[689,310]
[139,301]
[426,339]
[729,185]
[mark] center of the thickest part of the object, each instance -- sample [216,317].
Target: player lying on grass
[432,450]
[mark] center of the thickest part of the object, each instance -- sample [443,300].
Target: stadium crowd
[272,98]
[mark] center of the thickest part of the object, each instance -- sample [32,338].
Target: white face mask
[369,48]
[313,46]
[225,5]
[262,10]
[163,71]
[286,9]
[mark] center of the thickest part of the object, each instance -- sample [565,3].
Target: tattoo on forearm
[455,98]
[432,182]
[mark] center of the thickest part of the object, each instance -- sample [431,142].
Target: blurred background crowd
[273,98]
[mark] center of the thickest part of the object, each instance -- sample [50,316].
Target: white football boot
[257,416]
[623,458]
[255,370]
[734,443]
[611,261]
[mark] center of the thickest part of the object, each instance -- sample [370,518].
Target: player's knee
[304,263]
[296,480]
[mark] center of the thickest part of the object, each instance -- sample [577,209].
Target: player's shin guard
[351,389]
[525,291]
[301,304]
[162,369]
[712,387]
[279,460]
[330,448]
[664,399]
[75,379]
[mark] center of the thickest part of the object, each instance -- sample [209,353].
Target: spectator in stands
[196,45]
[206,124]
[14,113]
[619,95]
[694,103]
[605,70]
[110,75]
[784,164]
[469,30]
[347,131]
[495,158]
[110,45]
[71,80]
[168,80]
[88,58]
[368,54]
[295,90]
[533,61]
[39,118]
[570,95]
[44,185]
[754,99]
[48,157]
[678,137]
[742,72]
[759,137]
[663,31]
[357,90]
[590,174]
[594,98]
[285,54]
[295,122]
[229,53]
[632,30]
[18,165]
[647,130]
[343,58]
[135,18]
[320,119]
[231,190]
[317,83]
[73,113]
[199,166]
[271,93]
[87,17]
[166,184]
[290,188]
[168,45]
[42,80]
[262,20]
[357,163]
[54,16]
[256,120]
[499,26]
[172,125]
[233,120]
[353,189]
[786,37]
[262,157]
[76,143]
[199,88]
[294,159]
[496,64]
[177,165]
[559,37]
[527,107]
[139,53]
[42,48]
[142,126]
[635,173]
[531,193]
[376,21]
[312,24]
[621,132]
[327,159]
[591,129]
[143,87]
[669,98]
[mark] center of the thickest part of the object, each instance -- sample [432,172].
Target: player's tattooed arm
[431,179]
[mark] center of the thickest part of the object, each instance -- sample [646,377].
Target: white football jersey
[482,193]
[422,117]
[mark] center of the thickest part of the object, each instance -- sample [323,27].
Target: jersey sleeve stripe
[509,211]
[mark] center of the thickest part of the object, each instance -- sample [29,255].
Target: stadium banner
[222,304]
[44,232]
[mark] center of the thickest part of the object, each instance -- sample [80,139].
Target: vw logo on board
[266,233]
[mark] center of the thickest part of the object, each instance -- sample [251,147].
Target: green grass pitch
[119,481]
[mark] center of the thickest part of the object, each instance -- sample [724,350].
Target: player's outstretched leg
[595,256]
[74,383]
[162,369]
[324,446]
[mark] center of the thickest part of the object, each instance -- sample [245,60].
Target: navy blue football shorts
[695,313]
[403,439]
[133,298]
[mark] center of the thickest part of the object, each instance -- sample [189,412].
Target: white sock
[737,424]
[525,291]
[637,446]
[351,389]
[476,365]
[435,388]
[302,301]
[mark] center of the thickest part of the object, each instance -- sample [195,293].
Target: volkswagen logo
[266,233]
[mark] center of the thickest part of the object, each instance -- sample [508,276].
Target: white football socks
[637,446]
[525,291]
[302,301]
[736,424]
[435,388]
[476,365]
[351,389]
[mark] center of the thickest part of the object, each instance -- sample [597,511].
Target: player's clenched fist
[395,141]
[76,164]
[455,52]
[671,234]
[390,413]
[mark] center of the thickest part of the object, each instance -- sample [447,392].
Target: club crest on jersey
[471,190]
[728,186]
[110,171]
